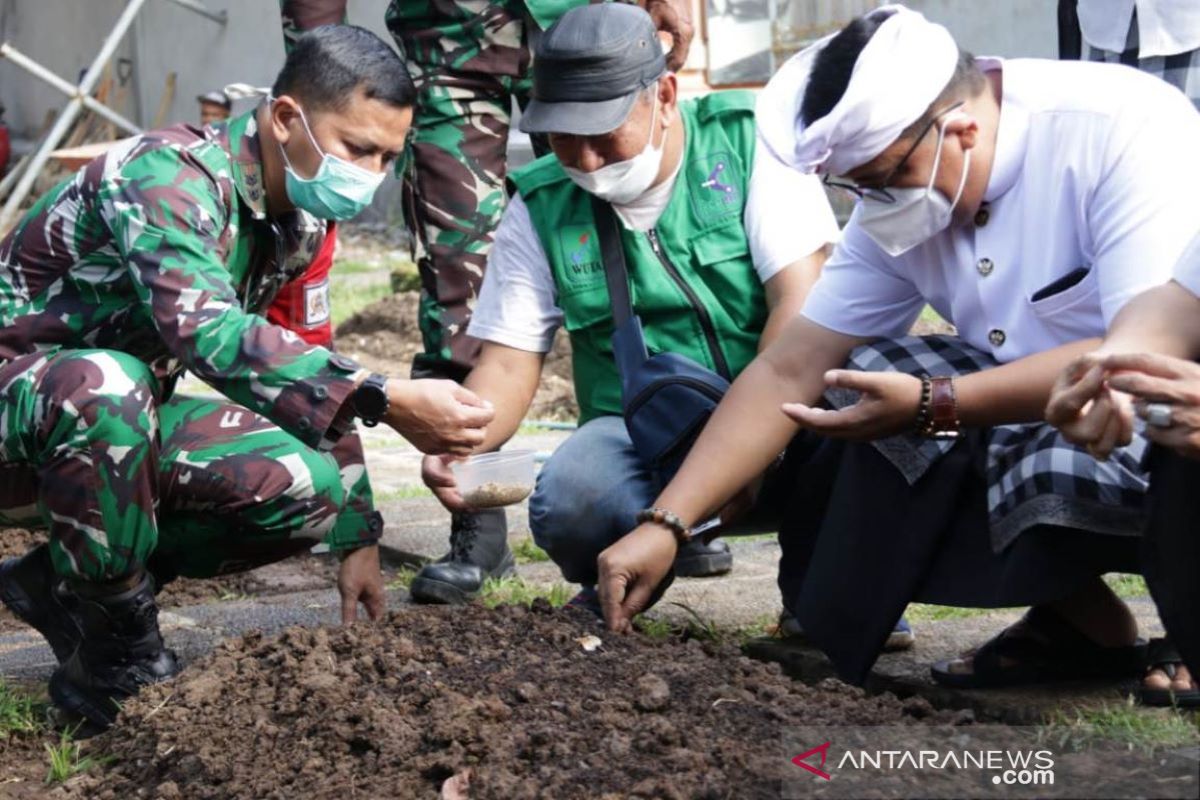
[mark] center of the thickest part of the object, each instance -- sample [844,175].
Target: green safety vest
[546,12]
[691,278]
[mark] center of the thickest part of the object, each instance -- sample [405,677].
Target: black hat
[590,66]
[216,99]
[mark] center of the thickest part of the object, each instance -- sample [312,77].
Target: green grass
[706,630]
[1126,724]
[923,612]
[1127,586]
[403,579]
[67,759]
[406,492]
[20,712]
[518,591]
[346,301]
[352,267]
[527,552]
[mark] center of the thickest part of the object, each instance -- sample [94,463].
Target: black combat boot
[121,651]
[478,551]
[699,559]
[32,591]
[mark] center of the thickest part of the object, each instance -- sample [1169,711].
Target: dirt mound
[385,337]
[396,709]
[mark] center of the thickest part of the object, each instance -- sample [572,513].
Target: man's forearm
[1017,391]
[749,430]
[510,395]
[1163,320]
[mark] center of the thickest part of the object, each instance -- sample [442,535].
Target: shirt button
[985,266]
[319,393]
[981,217]
[997,337]
[342,362]
[304,423]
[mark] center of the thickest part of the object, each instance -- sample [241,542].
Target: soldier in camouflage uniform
[470,60]
[157,257]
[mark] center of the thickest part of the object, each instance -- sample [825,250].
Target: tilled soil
[510,697]
[385,337]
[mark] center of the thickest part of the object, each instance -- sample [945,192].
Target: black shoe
[31,590]
[478,551]
[698,559]
[121,651]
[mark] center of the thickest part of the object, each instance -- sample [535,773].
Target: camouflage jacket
[163,249]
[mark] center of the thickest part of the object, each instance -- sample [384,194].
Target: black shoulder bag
[667,398]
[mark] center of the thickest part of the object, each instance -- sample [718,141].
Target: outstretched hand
[361,581]
[888,405]
[1085,408]
[630,571]
[438,416]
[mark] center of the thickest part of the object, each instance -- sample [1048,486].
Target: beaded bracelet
[669,520]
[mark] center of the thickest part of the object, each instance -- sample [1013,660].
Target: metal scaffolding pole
[92,104]
[80,97]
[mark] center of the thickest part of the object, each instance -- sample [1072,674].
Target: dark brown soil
[396,709]
[385,337]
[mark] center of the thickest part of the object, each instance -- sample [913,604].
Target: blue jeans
[588,495]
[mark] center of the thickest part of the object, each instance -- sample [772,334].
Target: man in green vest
[721,249]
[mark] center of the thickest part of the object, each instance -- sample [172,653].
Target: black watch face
[370,402]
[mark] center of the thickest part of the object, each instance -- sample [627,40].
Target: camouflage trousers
[189,486]
[301,16]
[470,60]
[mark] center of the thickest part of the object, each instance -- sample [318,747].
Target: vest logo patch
[715,187]
[316,304]
[580,257]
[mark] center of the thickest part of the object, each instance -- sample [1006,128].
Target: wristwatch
[370,399]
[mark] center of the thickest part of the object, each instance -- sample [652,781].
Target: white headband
[902,69]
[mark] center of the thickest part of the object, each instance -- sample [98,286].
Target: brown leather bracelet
[939,413]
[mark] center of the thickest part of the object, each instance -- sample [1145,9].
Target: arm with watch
[436,416]
[799,366]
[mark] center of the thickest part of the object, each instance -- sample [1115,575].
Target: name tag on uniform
[316,304]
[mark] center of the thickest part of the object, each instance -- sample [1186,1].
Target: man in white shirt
[1026,201]
[721,250]
[1146,368]
[1161,37]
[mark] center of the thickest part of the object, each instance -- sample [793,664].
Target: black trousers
[859,543]
[1171,550]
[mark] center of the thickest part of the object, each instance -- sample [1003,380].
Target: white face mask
[917,214]
[625,181]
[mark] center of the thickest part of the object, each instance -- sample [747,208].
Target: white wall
[1010,28]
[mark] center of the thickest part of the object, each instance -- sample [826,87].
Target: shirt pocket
[588,308]
[1085,291]
[722,260]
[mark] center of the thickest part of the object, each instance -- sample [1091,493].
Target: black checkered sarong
[1181,70]
[1034,475]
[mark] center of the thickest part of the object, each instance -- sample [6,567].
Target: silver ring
[1159,415]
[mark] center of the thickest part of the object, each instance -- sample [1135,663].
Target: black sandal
[1162,654]
[1044,649]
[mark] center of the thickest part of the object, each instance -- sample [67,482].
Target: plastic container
[493,480]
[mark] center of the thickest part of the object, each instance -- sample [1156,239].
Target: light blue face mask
[339,190]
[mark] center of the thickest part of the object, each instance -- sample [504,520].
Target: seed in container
[491,495]
[491,480]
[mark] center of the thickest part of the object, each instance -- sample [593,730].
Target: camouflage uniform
[304,15]
[157,257]
[470,61]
